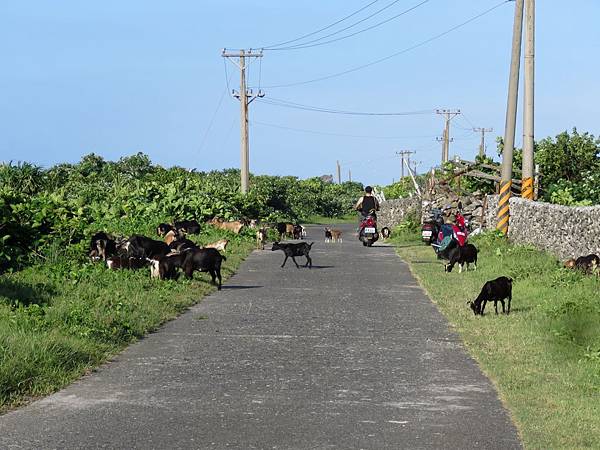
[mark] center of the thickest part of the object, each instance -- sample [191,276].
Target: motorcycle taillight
[369,222]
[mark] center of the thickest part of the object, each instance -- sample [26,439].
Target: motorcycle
[432,226]
[367,230]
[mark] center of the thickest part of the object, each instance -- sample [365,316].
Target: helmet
[368,189]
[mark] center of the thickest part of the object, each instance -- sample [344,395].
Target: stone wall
[491,212]
[393,212]
[565,231]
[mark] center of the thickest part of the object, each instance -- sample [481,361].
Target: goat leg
[285,260]
[496,306]
[503,309]
[509,299]
[482,307]
[294,259]
[308,262]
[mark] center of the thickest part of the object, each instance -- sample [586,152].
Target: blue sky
[115,78]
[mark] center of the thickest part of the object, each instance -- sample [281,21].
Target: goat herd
[177,253]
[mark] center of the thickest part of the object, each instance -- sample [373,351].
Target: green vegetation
[64,205]
[545,356]
[60,314]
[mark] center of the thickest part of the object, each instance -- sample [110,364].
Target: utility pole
[503,213]
[482,145]
[350,175]
[402,154]
[245,97]
[448,116]
[528,97]
[339,172]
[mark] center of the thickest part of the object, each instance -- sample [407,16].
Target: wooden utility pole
[402,154]
[448,116]
[245,97]
[339,172]
[482,144]
[528,97]
[511,119]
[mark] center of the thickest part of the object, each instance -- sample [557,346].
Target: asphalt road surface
[350,355]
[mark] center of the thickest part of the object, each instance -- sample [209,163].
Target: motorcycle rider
[367,204]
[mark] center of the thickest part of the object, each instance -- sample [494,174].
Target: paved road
[350,354]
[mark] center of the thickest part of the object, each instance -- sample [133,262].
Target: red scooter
[367,230]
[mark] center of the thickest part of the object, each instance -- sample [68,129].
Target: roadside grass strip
[544,358]
[61,318]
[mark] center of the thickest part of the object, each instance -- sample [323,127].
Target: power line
[288,104]
[315,42]
[326,133]
[267,47]
[406,50]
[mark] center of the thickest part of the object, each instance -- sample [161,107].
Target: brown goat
[234,226]
[220,245]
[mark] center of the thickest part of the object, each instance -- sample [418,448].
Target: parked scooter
[367,230]
[432,226]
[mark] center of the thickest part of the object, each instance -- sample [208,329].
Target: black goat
[588,264]
[495,290]
[187,226]
[143,247]
[126,262]
[466,254]
[182,244]
[293,250]
[204,260]
[164,228]
[102,246]
[166,267]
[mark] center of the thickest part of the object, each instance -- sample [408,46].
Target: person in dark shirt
[367,204]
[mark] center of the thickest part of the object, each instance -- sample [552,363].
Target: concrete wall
[393,212]
[565,231]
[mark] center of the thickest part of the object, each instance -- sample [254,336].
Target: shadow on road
[240,287]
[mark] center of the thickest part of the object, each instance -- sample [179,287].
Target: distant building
[327,178]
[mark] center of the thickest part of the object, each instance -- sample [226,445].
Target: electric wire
[315,42]
[293,105]
[267,47]
[380,60]
[219,103]
[326,133]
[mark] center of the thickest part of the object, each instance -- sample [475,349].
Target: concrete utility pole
[402,154]
[339,172]
[482,145]
[528,97]
[511,119]
[245,97]
[448,116]
[350,175]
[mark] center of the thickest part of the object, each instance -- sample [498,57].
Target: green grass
[60,319]
[322,220]
[544,357]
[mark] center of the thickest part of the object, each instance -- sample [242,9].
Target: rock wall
[393,212]
[491,212]
[565,231]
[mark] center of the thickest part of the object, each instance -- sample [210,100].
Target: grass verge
[544,357]
[61,318]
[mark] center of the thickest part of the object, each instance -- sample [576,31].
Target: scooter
[367,230]
[431,227]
